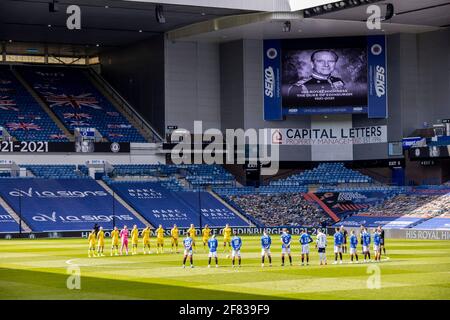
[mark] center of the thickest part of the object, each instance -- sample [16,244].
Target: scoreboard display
[325,76]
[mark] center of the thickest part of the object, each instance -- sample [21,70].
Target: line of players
[210,241]
[119,239]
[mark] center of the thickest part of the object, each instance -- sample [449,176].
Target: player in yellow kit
[206,232]
[174,234]
[226,237]
[192,233]
[159,239]
[134,239]
[91,239]
[146,239]
[115,241]
[100,242]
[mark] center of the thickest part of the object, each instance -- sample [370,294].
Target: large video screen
[324,76]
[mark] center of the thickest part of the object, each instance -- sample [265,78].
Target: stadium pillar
[199,209]
[114,209]
[20,214]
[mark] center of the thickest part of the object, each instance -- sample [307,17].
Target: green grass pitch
[37,269]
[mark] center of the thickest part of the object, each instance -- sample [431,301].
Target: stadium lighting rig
[337,6]
[53,6]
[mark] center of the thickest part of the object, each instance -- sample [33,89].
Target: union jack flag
[14,126]
[8,104]
[74,101]
[77,116]
[78,123]
[57,136]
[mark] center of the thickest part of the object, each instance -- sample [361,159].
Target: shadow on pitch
[29,284]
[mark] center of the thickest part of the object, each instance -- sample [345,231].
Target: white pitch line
[70,261]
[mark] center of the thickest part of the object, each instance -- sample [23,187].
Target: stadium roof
[108,23]
[411,16]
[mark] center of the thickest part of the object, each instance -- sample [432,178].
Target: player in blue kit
[266,242]
[377,245]
[338,241]
[286,246]
[212,245]
[187,243]
[353,245]
[305,240]
[236,244]
[366,244]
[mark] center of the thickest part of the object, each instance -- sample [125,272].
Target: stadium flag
[14,126]
[8,104]
[377,77]
[74,101]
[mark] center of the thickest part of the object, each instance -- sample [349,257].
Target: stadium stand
[64,204]
[324,173]
[21,115]
[422,205]
[160,205]
[282,209]
[56,171]
[77,102]
[7,223]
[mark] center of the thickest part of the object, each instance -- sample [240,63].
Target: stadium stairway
[43,105]
[125,204]
[102,85]
[229,207]
[14,215]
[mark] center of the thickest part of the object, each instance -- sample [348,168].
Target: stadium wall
[137,73]
[192,84]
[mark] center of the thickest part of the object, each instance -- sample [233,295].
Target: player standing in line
[212,245]
[101,242]
[266,242]
[159,239]
[344,243]
[236,244]
[188,243]
[338,240]
[226,238]
[286,246]
[124,239]
[366,244]
[381,231]
[175,234]
[361,231]
[206,232]
[134,239]
[115,241]
[305,240]
[91,239]
[377,245]
[353,245]
[321,244]
[192,234]
[146,239]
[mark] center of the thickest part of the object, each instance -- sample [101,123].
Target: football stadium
[225,150]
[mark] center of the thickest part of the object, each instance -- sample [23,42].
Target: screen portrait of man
[323,65]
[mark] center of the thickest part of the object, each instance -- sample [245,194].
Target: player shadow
[41,285]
